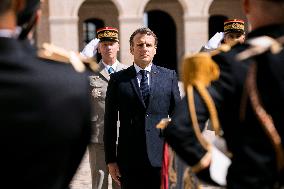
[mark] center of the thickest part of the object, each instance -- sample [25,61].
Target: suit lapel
[153,81]
[135,85]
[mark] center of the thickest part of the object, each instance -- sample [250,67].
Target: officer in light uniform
[108,47]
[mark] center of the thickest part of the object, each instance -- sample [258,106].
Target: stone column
[196,32]
[64,23]
[64,32]
[127,25]
[130,19]
[195,24]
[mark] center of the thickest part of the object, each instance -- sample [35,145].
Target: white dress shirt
[114,65]
[10,33]
[139,76]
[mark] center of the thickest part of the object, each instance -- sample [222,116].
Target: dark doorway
[90,28]
[216,24]
[164,27]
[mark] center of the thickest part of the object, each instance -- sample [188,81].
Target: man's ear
[99,47]
[155,50]
[225,39]
[131,50]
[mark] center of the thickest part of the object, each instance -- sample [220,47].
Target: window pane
[90,27]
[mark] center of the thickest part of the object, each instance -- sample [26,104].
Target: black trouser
[138,173]
[142,178]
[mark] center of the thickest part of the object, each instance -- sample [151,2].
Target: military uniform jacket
[99,82]
[44,118]
[253,163]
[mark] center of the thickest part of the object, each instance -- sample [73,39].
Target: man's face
[143,49]
[108,49]
[233,38]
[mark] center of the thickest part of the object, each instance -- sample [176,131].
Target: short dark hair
[143,30]
[5,5]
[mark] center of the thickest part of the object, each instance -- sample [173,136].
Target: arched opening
[164,27]
[166,18]
[216,24]
[94,14]
[221,10]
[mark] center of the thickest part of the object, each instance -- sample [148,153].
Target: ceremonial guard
[45,105]
[234,32]
[247,90]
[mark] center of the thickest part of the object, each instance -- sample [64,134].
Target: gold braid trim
[52,52]
[264,118]
[191,107]
[199,71]
[211,107]
[199,68]
[172,172]
[188,180]
[234,26]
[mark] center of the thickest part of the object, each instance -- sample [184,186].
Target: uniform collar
[8,33]
[114,65]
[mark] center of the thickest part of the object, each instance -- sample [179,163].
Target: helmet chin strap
[26,28]
[27,18]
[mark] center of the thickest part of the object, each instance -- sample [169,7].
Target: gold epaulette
[52,52]
[260,45]
[198,72]
[199,68]
[222,48]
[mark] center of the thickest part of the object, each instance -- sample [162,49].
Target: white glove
[215,41]
[90,50]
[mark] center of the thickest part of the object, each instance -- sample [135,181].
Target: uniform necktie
[144,87]
[110,70]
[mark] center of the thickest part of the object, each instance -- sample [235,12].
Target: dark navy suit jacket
[139,140]
[45,118]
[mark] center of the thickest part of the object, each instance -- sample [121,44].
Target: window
[216,24]
[90,27]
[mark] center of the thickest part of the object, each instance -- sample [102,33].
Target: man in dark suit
[143,94]
[256,161]
[44,107]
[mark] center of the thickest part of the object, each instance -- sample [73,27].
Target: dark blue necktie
[144,87]
[110,70]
